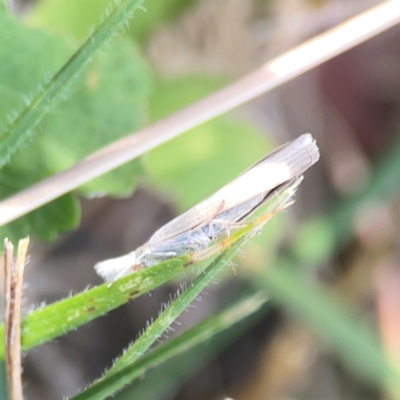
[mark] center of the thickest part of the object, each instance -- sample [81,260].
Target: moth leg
[202,255]
[226,225]
[216,248]
[156,257]
[211,218]
[200,238]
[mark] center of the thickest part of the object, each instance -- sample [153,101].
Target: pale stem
[13,282]
[277,71]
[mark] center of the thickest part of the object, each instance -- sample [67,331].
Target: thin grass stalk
[272,74]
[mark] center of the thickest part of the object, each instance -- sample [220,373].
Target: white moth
[194,230]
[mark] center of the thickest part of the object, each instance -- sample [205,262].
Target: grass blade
[180,357]
[351,340]
[58,318]
[52,91]
[120,374]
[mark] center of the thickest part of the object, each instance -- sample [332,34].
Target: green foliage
[179,358]
[74,17]
[27,56]
[56,319]
[106,103]
[122,373]
[157,14]
[106,107]
[353,341]
[314,241]
[22,123]
[45,223]
[71,18]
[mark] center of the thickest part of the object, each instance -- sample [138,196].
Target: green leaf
[72,18]
[45,223]
[107,104]
[64,214]
[26,55]
[23,123]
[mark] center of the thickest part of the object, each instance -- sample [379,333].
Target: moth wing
[282,165]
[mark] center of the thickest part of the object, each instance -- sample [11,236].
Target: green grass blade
[352,341]
[182,356]
[15,134]
[58,318]
[204,331]
[172,312]
[121,373]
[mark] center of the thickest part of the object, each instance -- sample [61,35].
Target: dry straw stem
[272,74]
[13,281]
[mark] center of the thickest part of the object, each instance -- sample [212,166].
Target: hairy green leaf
[106,104]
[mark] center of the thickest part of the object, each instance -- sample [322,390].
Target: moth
[276,176]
